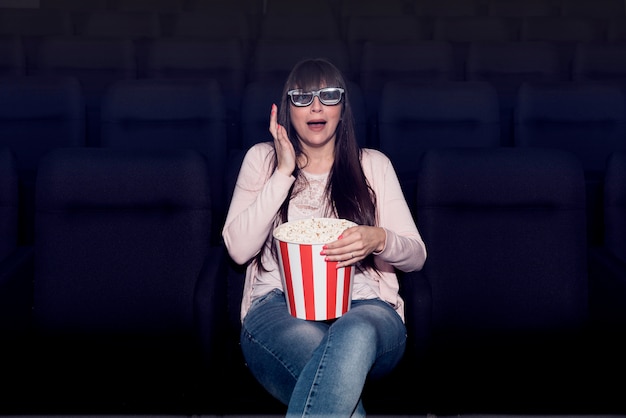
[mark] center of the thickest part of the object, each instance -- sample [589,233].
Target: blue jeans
[318,368]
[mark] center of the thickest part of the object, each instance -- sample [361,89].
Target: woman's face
[316,124]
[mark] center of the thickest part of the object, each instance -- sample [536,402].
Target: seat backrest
[600,61]
[383,61]
[505,231]
[415,117]
[442,8]
[464,29]
[8,202]
[211,25]
[160,6]
[507,269]
[360,29]
[121,237]
[110,23]
[251,7]
[203,59]
[349,8]
[616,29]
[188,58]
[40,113]
[273,59]
[34,22]
[304,26]
[521,8]
[94,62]
[615,204]
[586,118]
[170,114]
[506,65]
[461,31]
[74,5]
[558,28]
[600,9]
[564,31]
[289,8]
[12,56]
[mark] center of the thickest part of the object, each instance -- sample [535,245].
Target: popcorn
[315,288]
[312,231]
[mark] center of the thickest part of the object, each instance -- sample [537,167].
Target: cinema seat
[165,114]
[126,282]
[417,116]
[505,231]
[608,259]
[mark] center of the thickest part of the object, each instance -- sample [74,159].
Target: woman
[314,168]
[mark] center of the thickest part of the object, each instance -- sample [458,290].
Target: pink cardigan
[259,193]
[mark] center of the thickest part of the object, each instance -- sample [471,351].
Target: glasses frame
[316,93]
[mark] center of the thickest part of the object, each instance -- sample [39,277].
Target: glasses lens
[302,99]
[330,96]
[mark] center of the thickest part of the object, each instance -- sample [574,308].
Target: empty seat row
[517,8]
[153,5]
[39,113]
[153,24]
[152,110]
[354,7]
[129,301]
[97,62]
[230,60]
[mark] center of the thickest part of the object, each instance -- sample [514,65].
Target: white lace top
[309,202]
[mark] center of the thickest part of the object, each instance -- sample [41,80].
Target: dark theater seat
[126,285]
[162,113]
[505,232]
[417,116]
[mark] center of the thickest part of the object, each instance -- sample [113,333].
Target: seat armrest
[16,291]
[416,292]
[210,310]
[607,289]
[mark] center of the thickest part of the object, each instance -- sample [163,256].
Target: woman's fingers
[273,121]
[285,153]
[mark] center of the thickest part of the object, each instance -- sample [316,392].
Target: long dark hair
[348,191]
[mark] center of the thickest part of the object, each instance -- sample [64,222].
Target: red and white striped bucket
[315,289]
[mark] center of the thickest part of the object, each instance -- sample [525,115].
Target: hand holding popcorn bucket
[315,288]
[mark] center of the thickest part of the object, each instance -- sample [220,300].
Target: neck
[317,160]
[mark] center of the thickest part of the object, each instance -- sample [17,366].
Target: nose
[317,105]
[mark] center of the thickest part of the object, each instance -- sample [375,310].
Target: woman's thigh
[277,345]
[377,324]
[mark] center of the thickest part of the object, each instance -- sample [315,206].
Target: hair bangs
[313,74]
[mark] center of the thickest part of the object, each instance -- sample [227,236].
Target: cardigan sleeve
[404,248]
[258,195]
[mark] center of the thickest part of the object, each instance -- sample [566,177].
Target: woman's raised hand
[285,153]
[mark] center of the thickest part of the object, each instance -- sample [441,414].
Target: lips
[316,125]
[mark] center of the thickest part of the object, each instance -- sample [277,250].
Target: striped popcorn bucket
[315,289]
